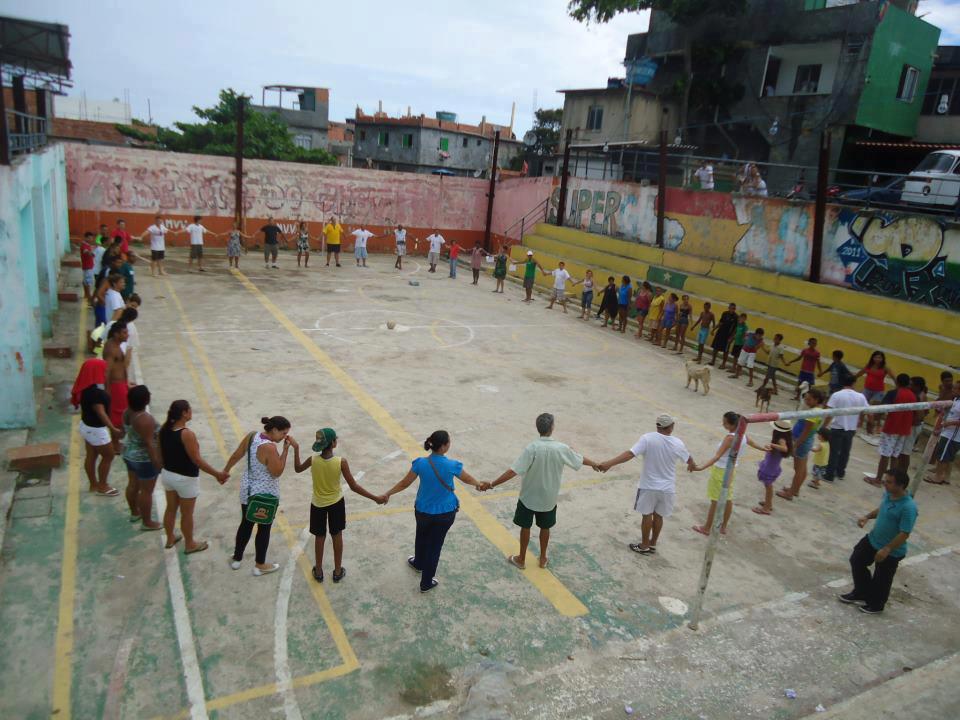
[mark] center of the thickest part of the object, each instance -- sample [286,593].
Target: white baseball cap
[665,421]
[529,252]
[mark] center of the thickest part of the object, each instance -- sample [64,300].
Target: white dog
[801,391]
[698,374]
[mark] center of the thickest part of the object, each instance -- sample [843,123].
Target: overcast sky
[430,55]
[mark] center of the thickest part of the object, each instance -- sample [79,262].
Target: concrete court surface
[100,621]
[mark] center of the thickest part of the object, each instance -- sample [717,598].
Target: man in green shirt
[540,466]
[529,273]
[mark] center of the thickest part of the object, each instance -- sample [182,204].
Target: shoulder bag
[262,507]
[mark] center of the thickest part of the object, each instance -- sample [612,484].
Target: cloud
[945,14]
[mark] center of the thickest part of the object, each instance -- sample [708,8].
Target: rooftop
[484,129]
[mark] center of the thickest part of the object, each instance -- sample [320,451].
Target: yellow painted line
[546,582]
[349,658]
[63,648]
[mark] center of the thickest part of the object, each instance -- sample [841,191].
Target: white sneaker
[235,564]
[257,572]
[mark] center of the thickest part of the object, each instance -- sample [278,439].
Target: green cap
[325,438]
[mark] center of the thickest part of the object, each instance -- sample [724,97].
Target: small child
[668,317]
[644,298]
[774,356]
[499,268]
[780,447]
[837,370]
[706,322]
[328,508]
[719,462]
[752,344]
[821,456]
[586,297]
[809,359]
[656,312]
[739,335]
[623,302]
[608,303]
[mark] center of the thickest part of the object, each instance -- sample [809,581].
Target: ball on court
[391,324]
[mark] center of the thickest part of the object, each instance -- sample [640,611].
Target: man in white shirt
[560,277]
[361,235]
[158,245]
[400,235]
[98,252]
[843,427]
[436,243]
[704,175]
[112,300]
[947,446]
[657,488]
[195,230]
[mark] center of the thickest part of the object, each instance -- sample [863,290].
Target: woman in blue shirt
[436,505]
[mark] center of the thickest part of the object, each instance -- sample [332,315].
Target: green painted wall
[900,39]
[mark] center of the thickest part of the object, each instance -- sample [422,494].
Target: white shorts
[747,359]
[433,258]
[401,249]
[96,436]
[654,501]
[88,277]
[183,485]
[893,445]
[559,294]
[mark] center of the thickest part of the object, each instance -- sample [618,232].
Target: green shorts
[524,517]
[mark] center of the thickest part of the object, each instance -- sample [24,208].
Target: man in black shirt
[271,232]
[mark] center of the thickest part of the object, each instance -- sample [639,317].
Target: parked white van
[935,181]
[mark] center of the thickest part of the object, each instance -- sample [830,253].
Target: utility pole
[820,207]
[564,177]
[238,170]
[492,191]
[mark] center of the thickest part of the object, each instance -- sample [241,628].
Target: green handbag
[261,508]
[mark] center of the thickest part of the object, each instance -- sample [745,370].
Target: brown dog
[763,398]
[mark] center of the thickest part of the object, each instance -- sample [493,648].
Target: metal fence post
[564,177]
[820,207]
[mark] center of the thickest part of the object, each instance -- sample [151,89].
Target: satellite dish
[530,138]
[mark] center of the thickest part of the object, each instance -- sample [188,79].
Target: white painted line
[910,560]
[118,679]
[281,659]
[386,458]
[196,697]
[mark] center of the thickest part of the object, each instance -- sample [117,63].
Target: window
[594,117]
[445,144]
[478,142]
[363,135]
[941,90]
[383,139]
[407,140]
[465,141]
[807,79]
[909,78]
[937,162]
[303,141]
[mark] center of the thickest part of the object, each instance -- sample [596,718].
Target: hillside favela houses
[439,145]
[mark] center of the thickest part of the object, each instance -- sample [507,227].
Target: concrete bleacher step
[937,321]
[938,348]
[795,333]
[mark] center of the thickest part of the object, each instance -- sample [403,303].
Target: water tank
[446,116]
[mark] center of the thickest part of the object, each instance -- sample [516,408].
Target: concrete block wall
[33,237]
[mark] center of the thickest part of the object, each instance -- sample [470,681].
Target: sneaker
[275,267]
[257,572]
[410,562]
[866,609]
[235,564]
[850,599]
[435,582]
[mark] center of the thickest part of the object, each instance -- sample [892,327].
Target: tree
[265,135]
[692,15]
[546,126]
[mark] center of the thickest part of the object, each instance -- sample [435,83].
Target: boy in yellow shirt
[332,231]
[656,313]
[328,509]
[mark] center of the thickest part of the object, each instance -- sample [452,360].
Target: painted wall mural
[914,257]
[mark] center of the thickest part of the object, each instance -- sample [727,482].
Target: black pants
[243,537]
[840,443]
[873,589]
[431,531]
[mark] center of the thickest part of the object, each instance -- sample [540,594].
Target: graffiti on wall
[913,257]
[109,179]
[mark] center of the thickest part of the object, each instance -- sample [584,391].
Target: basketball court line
[542,579]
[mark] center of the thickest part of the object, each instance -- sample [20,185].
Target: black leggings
[243,537]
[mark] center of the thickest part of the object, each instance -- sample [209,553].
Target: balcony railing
[25,133]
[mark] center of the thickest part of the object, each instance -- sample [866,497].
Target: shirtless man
[117,384]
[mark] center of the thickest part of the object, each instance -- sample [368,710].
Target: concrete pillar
[28,304]
[41,231]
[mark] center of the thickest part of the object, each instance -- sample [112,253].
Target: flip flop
[176,539]
[512,559]
[147,528]
[700,529]
[199,548]
[317,573]
[338,577]
[785,495]
[761,511]
[936,482]
[813,486]
[112,492]
[641,550]
[543,562]
[134,518]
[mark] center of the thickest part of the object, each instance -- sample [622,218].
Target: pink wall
[515,198]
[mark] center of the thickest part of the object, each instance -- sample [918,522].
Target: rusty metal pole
[492,191]
[564,176]
[661,187]
[238,170]
[820,207]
